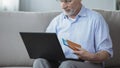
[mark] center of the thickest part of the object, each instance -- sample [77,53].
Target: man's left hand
[84,54]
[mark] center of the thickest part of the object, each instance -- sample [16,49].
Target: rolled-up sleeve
[102,37]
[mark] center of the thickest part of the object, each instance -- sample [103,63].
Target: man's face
[71,7]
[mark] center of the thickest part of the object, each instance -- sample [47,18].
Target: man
[84,27]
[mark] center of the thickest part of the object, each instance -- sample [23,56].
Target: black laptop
[44,45]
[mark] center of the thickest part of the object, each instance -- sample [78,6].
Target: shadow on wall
[118,4]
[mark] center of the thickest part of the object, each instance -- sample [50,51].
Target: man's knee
[41,63]
[40,60]
[66,64]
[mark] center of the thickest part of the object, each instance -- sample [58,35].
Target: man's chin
[68,13]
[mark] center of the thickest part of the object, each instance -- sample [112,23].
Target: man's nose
[64,5]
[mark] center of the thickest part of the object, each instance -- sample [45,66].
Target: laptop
[44,45]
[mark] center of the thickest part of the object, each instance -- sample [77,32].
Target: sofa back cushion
[113,20]
[12,49]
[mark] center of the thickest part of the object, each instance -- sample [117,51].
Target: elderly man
[84,27]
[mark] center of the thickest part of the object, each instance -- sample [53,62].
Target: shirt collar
[82,11]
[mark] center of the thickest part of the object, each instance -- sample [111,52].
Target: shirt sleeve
[103,40]
[52,26]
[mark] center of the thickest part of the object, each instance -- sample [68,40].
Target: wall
[9,5]
[39,5]
[100,4]
[53,5]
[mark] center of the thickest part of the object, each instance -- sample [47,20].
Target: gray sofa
[12,50]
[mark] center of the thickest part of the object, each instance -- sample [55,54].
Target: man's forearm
[99,57]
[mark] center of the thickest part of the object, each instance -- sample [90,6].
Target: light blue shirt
[88,29]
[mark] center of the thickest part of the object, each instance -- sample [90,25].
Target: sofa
[13,53]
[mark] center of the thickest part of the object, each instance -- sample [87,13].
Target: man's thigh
[78,64]
[44,63]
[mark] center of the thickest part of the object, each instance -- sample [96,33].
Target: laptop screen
[42,45]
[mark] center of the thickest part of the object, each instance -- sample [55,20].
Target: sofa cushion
[113,20]
[12,49]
